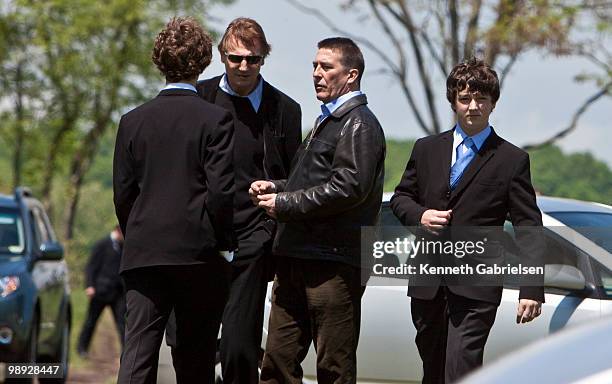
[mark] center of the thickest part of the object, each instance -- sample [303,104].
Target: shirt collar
[329,108]
[459,135]
[189,87]
[254,97]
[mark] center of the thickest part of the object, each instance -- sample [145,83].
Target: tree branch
[471,32]
[573,124]
[398,72]
[406,19]
[436,57]
[330,24]
[506,69]
[453,15]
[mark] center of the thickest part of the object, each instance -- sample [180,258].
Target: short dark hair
[182,49]
[474,74]
[246,31]
[352,58]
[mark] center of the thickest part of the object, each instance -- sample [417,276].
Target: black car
[35,311]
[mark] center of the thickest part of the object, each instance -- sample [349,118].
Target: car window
[390,229]
[40,225]
[11,233]
[595,226]
[48,226]
[36,235]
[604,277]
[558,250]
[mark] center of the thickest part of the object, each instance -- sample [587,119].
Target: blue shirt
[180,86]
[459,135]
[329,108]
[254,97]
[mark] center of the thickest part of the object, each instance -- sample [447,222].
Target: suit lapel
[482,157]
[445,156]
[268,110]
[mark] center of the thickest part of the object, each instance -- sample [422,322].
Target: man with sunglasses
[267,135]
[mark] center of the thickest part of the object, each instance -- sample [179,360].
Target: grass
[105,333]
[79,311]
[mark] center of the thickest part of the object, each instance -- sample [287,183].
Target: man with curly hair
[173,182]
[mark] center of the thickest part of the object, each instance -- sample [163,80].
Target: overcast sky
[538,98]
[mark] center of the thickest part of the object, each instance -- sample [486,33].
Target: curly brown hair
[247,31]
[474,74]
[182,49]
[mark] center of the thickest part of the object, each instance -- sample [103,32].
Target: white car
[577,291]
[565,351]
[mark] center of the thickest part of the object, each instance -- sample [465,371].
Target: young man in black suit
[104,287]
[467,176]
[173,181]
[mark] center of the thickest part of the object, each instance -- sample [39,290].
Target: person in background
[104,287]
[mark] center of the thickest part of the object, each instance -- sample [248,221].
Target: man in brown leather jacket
[334,188]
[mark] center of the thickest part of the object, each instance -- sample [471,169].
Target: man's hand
[528,310]
[260,187]
[268,202]
[90,292]
[433,220]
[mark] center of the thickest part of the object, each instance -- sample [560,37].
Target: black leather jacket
[334,188]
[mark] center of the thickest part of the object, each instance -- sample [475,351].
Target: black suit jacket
[173,181]
[282,125]
[102,270]
[497,183]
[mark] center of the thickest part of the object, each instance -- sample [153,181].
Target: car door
[48,276]
[562,307]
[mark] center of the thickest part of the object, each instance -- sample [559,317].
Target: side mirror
[51,251]
[564,277]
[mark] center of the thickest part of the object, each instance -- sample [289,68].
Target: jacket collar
[349,105]
[176,92]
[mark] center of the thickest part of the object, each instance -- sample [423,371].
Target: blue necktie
[462,161]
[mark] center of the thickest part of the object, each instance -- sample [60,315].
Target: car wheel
[62,356]
[30,353]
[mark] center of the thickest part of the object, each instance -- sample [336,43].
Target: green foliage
[553,173]
[398,153]
[68,69]
[577,175]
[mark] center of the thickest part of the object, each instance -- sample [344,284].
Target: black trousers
[240,348]
[242,324]
[94,310]
[314,301]
[451,334]
[197,293]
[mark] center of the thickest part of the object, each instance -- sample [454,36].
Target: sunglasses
[237,59]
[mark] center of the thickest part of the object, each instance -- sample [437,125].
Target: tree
[18,82]
[554,173]
[92,62]
[432,36]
